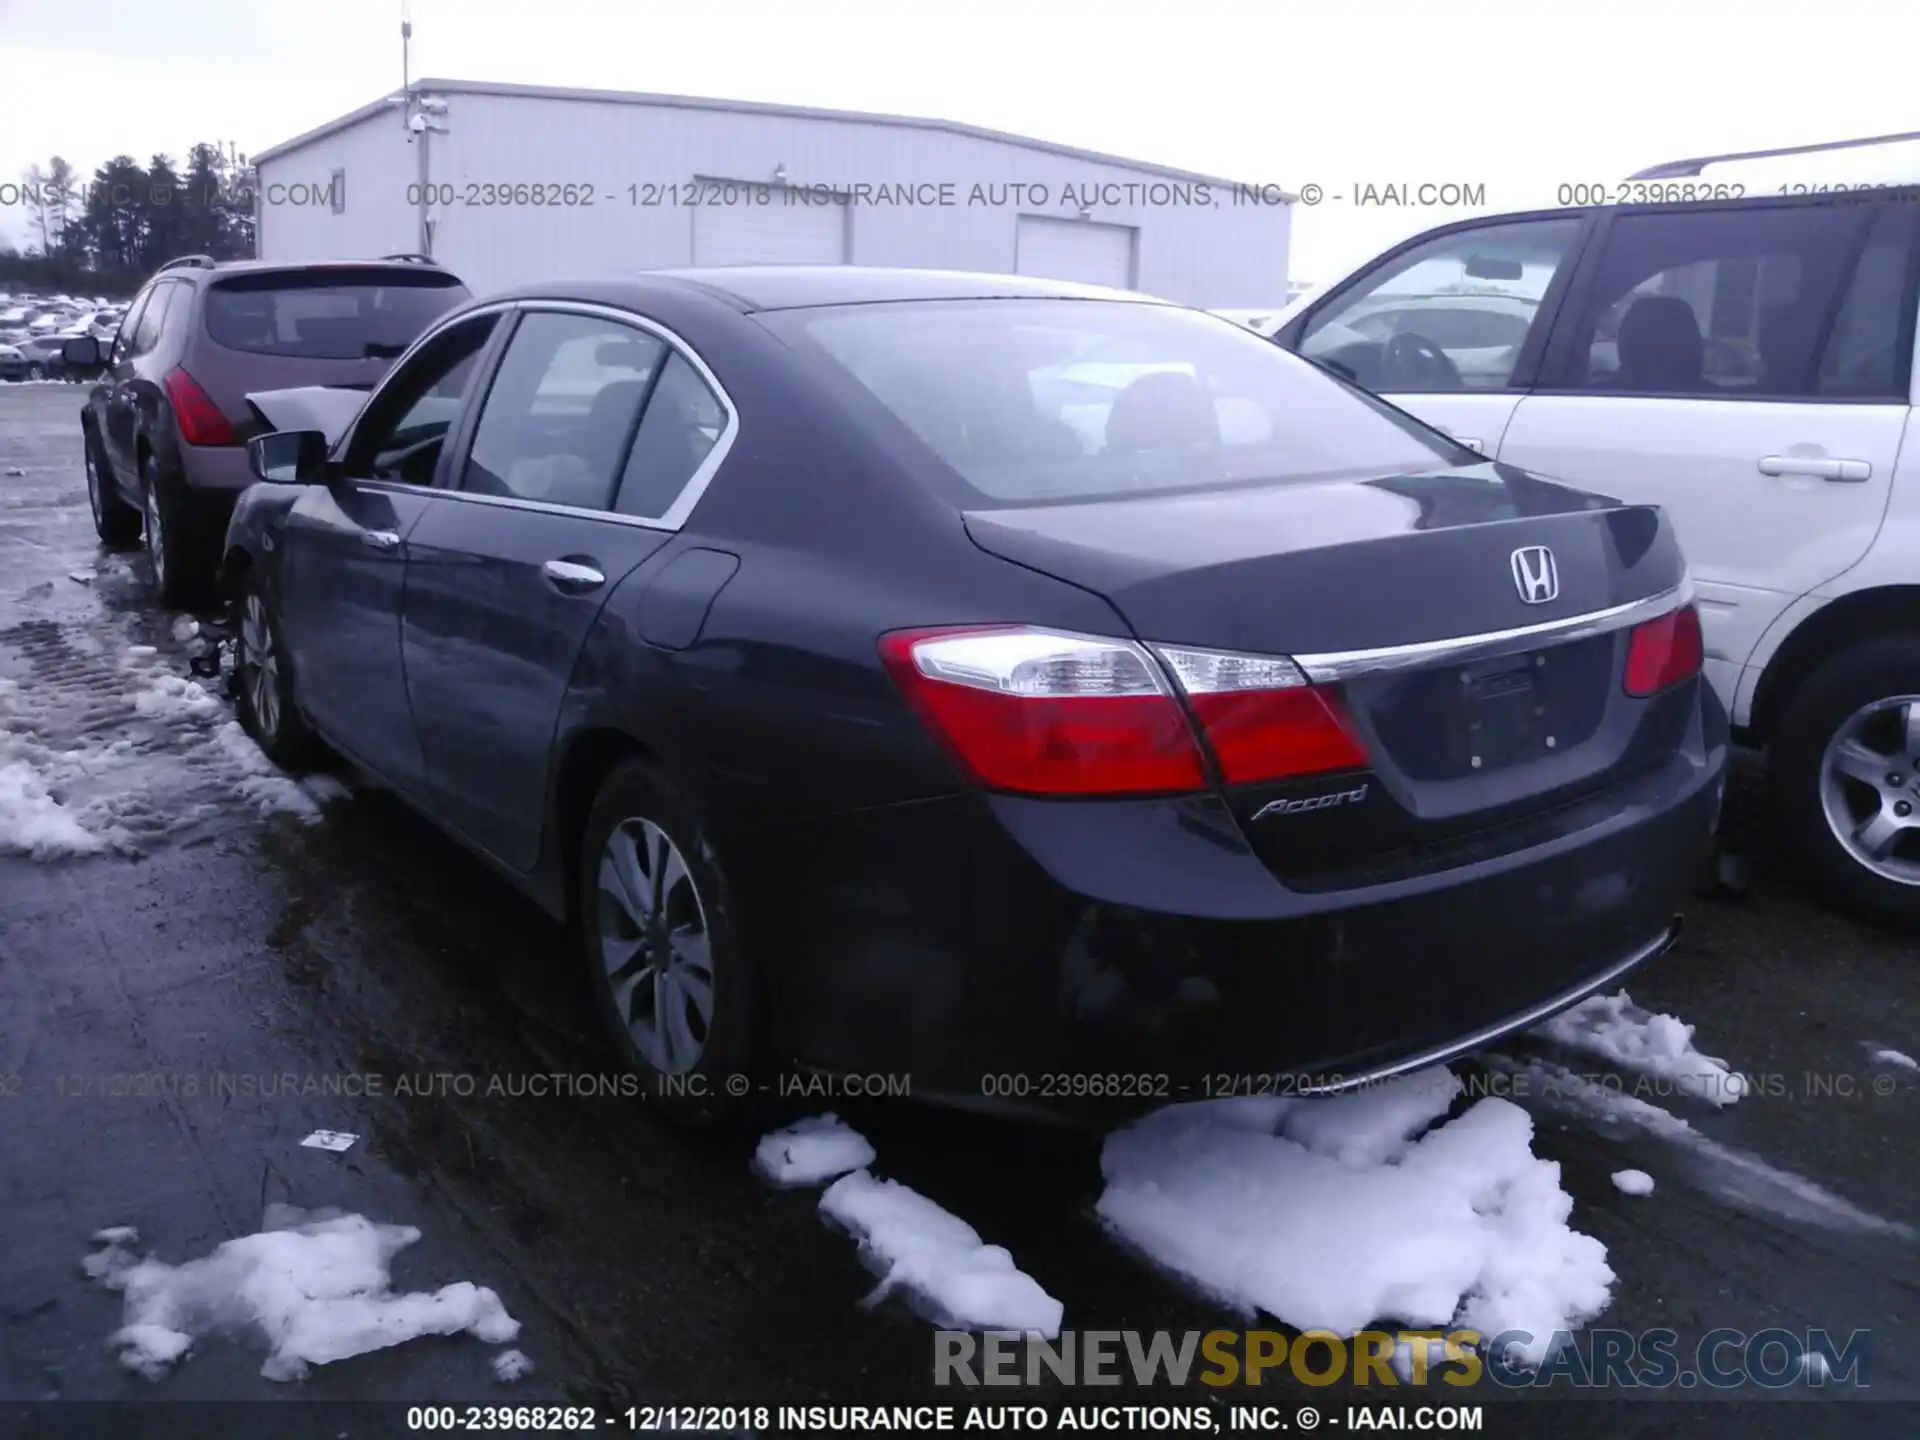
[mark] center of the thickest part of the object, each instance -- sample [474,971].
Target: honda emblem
[1535,575]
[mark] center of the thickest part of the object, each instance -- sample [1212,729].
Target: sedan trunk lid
[1470,625]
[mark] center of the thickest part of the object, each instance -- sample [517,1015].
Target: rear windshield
[321,316]
[1030,401]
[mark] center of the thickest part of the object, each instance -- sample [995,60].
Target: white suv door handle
[381,539]
[1850,471]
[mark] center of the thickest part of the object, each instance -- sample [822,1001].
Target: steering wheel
[1413,360]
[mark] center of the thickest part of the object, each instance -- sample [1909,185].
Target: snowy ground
[233,923]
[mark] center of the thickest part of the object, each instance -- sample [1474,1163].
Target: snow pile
[1356,1221]
[815,1149]
[938,1259]
[172,760]
[511,1365]
[1896,1058]
[173,697]
[33,823]
[1660,1046]
[312,1284]
[262,783]
[1633,1182]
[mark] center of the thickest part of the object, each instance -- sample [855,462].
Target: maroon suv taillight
[1664,651]
[1046,713]
[201,421]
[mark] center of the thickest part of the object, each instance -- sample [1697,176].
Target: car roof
[750,288]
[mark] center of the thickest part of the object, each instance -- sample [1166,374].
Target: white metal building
[513,183]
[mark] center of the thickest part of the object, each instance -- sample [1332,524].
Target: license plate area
[1499,714]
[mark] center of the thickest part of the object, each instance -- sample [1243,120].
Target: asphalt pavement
[178,1013]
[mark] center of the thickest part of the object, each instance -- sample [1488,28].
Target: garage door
[1075,250]
[783,232]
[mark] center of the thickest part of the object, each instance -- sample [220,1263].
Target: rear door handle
[1847,471]
[380,539]
[572,577]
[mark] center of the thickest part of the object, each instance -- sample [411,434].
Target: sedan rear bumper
[1096,958]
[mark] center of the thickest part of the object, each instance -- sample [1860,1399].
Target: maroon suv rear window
[328,315]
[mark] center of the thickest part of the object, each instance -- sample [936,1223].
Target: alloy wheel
[1870,787]
[259,667]
[655,947]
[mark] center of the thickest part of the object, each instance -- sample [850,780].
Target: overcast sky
[1519,97]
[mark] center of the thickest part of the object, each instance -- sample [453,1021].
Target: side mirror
[289,457]
[83,352]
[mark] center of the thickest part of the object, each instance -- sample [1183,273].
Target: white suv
[1741,354]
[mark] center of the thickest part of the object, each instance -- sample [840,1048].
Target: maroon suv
[166,424]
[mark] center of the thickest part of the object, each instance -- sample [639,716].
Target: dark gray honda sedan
[1057,696]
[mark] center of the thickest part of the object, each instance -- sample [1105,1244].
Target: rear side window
[682,424]
[1712,303]
[1032,401]
[1869,352]
[561,411]
[328,314]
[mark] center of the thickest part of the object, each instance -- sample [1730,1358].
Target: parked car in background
[980,675]
[13,363]
[166,427]
[1746,363]
[46,359]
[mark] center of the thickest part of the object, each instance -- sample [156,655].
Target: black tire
[36,371]
[263,680]
[115,521]
[705,1092]
[177,563]
[1859,677]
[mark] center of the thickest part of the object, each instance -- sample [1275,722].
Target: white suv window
[1451,314]
[1711,303]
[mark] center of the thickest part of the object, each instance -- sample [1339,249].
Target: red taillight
[1664,651]
[200,420]
[1047,714]
[1262,718]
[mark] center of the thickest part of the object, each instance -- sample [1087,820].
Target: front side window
[562,410]
[1451,314]
[1710,303]
[1031,401]
[130,325]
[400,436]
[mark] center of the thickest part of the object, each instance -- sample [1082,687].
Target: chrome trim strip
[509,502]
[1525,1020]
[675,514]
[1339,665]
